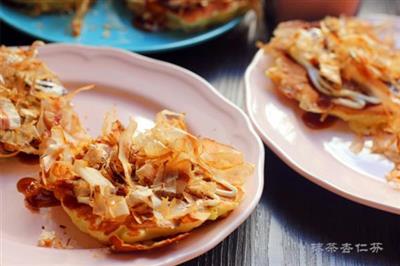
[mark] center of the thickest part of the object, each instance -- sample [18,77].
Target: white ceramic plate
[140,87]
[322,156]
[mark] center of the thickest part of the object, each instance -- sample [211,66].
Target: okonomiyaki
[136,190]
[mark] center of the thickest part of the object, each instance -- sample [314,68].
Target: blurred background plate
[107,24]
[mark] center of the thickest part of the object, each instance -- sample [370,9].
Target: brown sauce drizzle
[324,101]
[314,121]
[71,202]
[35,195]
[28,158]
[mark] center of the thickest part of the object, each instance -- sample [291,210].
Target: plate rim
[291,162]
[199,38]
[239,115]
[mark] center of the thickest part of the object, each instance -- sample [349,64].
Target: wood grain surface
[294,215]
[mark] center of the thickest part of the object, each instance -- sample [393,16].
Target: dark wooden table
[294,216]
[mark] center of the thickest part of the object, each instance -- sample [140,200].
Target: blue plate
[106,24]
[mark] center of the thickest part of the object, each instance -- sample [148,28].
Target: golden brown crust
[118,245]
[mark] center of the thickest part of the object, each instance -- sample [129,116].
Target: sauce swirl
[314,121]
[28,158]
[36,196]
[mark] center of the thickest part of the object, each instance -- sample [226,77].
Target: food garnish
[49,239]
[341,67]
[32,101]
[136,190]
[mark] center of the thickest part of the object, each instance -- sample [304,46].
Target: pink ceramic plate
[322,156]
[140,87]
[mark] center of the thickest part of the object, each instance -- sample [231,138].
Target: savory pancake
[292,80]
[186,15]
[32,101]
[336,67]
[341,67]
[139,190]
